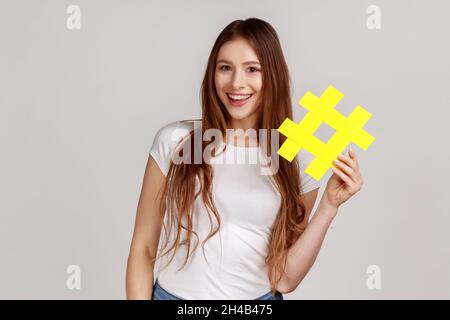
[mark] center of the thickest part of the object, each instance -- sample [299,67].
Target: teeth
[239,97]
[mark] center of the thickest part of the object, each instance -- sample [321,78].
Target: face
[238,81]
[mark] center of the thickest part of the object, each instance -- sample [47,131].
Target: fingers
[349,164]
[344,167]
[343,176]
[348,160]
[352,155]
[350,185]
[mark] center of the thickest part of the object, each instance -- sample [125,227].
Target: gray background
[79,110]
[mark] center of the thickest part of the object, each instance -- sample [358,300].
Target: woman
[257,240]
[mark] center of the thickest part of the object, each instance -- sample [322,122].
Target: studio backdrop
[85,85]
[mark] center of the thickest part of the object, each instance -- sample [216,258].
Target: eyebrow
[244,63]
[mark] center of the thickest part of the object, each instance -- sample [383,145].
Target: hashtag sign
[321,109]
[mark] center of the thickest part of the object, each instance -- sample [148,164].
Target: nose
[237,82]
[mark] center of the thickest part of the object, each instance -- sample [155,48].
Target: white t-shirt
[247,203]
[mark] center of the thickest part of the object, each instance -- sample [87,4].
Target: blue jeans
[159,293]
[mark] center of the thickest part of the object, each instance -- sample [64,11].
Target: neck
[250,122]
[244,136]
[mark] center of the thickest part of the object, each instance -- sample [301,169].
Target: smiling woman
[257,242]
[244,239]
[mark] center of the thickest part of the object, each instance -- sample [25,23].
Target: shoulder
[166,139]
[171,133]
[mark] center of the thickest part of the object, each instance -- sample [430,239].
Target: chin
[239,115]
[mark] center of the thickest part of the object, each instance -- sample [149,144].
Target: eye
[253,68]
[224,66]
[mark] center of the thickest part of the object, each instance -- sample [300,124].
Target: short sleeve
[308,182]
[164,143]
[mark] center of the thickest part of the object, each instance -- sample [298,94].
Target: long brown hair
[179,190]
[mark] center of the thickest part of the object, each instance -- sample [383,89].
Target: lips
[238,100]
[238,96]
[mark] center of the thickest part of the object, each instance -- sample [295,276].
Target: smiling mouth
[238,97]
[238,100]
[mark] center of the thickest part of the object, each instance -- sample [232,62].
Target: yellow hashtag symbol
[321,109]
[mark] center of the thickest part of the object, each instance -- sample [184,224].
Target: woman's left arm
[344,183]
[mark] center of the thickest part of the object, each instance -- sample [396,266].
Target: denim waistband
[159,293]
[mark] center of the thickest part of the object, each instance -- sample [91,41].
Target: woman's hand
[345,181]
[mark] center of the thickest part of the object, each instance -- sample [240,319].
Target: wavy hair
[179,190]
